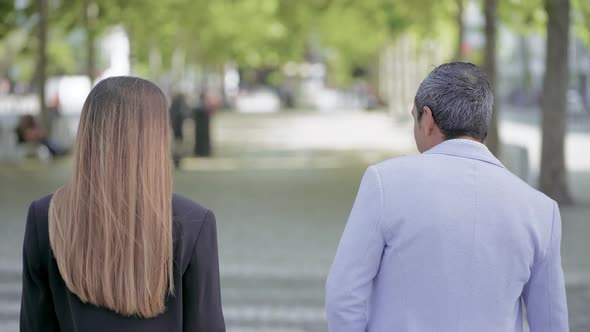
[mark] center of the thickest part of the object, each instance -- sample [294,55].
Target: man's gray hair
[460,97]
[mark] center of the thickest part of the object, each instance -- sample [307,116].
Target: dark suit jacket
[47,304]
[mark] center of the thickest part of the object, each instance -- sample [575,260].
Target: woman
[114,249]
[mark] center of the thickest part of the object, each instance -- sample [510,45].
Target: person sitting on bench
[29,131]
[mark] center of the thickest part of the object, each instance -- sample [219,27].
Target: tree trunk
[460,30]
[89,15]
[42,63]
[553,179]
[493,140]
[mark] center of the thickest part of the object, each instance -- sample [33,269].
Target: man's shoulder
[400,165]
[419,164]
[535,197]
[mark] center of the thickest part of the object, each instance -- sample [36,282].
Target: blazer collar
[465,148]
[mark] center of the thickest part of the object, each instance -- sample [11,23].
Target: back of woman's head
[110,227]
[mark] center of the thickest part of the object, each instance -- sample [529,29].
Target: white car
[68,94]
[262,100]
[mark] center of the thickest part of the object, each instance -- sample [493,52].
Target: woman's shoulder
[39,210]
[42,204]
[184,206]
[188,213]
[190,218]
[36,238]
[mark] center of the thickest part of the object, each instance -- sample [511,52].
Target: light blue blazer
[448,241]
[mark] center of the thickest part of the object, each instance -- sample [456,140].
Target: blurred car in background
[67,93]
[257,100]
[65,96]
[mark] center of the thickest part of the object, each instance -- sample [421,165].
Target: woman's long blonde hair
[110,226]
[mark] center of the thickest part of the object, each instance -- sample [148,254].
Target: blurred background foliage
[251,33]
[352,40]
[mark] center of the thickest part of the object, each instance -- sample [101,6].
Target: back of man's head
[460,97]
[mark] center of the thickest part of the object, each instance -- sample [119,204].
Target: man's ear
[428,123]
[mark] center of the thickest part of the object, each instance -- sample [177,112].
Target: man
[209,103]
[178,110]
[448,240]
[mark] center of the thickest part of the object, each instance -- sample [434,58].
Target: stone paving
[281,186]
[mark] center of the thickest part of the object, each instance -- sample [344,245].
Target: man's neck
[468,138]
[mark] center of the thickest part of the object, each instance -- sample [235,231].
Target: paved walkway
[282,186]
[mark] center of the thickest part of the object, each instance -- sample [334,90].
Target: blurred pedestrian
[114,249]
[178,109]
[208,104]
[28,131]
[448,240]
